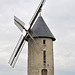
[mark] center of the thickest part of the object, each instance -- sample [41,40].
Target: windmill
[40,45]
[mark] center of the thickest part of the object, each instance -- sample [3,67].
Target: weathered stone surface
[35,56]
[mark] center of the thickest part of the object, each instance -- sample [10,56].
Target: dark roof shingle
[41,29]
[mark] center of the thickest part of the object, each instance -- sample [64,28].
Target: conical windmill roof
[41,30]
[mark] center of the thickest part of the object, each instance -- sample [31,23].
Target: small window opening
[44,62]
[44,53]
[44,57]
[44,41]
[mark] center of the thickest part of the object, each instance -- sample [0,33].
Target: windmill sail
[34,18]
[36,13]
[19,23]
[17,51]
[22,39]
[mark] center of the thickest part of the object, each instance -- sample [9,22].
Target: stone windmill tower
[40,61]
[40,45]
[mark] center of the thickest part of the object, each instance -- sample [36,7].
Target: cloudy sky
[60,18]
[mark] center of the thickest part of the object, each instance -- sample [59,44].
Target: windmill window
[44,53]
[44,62]
[44,57]
[44,41]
